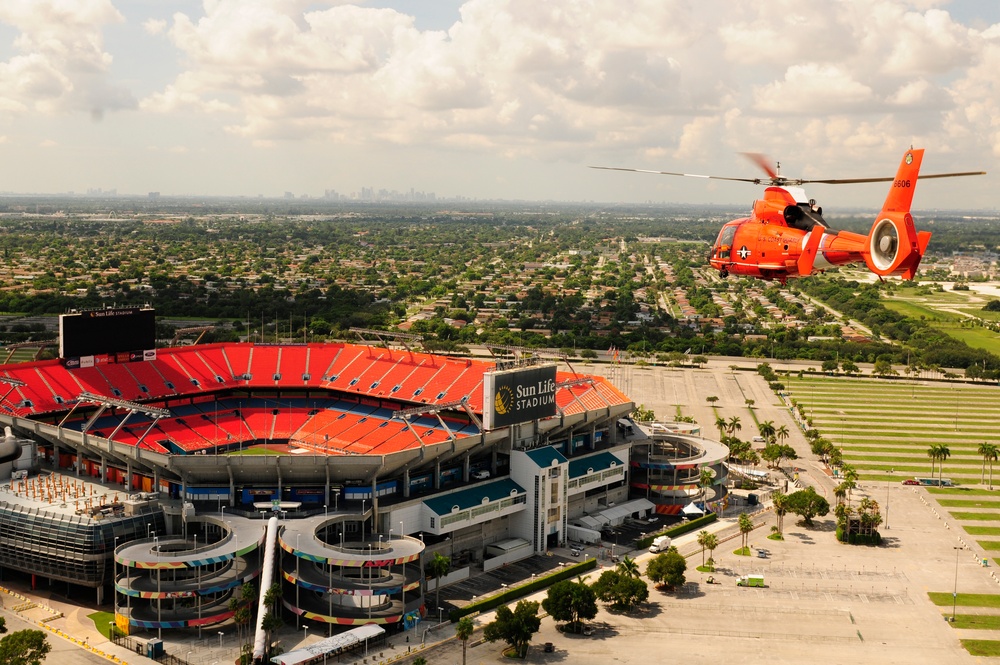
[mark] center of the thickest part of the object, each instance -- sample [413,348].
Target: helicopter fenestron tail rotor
[883,244]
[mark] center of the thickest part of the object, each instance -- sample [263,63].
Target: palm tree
[984,450]
[782,433]
[767,429]
[991,455]
[711,542]
[734,425]
[703,541]
[438,567]
[720,424]
[932,452]
[463,631]
[943,453]
[628,567]
[780,501]
[746,526]
[705,480]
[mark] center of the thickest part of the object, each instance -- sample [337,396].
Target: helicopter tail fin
[894,245]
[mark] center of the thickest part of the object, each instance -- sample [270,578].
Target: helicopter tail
[894,245]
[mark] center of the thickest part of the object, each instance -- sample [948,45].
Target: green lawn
[982,530]
[941,598]
[101,621]
[258,450]
[987,648]
[967,491]
[976,517]
[968,503]
[977,621]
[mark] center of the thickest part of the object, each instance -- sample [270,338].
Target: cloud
[154,26]
[566,79]
[60,63]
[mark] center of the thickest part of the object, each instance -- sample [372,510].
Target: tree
[943,453]
[571,602]
[932,452]
[706,477]
[984,449]
[515,627]
[667,569]
[463,631]
[628,567]
[782,433]
[622,591]
[991,453]
[734,425]
[780,501]
[720,424]
[767,430]
[711,542]
[703,541]
[712,399]
[438,567]
[24,647]
[807,504]
[746,526]
[750,403]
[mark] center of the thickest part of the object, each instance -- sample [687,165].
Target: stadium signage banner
[518,396]
[107,332]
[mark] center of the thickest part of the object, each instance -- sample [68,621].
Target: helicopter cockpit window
[725,241]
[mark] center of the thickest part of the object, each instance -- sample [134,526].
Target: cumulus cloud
[154,26]
[60,63]
[562,78]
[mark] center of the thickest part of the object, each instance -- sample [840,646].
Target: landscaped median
[678,530]
[520,591]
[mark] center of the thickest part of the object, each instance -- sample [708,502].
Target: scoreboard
[107,332]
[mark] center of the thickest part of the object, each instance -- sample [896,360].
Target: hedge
[679,530]
[522,590]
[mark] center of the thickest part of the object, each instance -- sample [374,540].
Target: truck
[660,544]
[751,580]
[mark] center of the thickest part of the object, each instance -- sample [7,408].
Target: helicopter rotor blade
[755,181]
[764,163]
[855,181]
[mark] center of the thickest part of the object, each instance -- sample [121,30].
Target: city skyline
[496,99]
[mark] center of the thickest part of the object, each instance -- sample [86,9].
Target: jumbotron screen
[106,331]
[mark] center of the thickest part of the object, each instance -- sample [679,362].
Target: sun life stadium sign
[518,396]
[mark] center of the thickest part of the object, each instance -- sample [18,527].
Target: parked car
[482,474]
[575,551]
[910,481]
[588,631]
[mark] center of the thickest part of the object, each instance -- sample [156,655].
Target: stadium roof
[544,457]
[473,496]
[582,466]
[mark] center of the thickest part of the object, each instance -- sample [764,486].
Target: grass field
[886,427]
[259,450]
[941,599]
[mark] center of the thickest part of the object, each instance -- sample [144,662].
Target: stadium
[152,471]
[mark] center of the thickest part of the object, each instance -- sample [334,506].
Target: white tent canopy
[692,510]
[334,645]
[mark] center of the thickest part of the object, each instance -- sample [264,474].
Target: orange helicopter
[786,235]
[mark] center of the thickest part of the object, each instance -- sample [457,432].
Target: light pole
[159,600]
[305,629]
[220,638]
[114,571]
[362,520]
[887,484]
[954,594]
[298,580]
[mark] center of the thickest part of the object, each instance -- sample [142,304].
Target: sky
[498,99]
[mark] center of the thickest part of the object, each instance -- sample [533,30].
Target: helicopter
[786,236]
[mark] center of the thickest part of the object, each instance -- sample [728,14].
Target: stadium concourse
[372,459]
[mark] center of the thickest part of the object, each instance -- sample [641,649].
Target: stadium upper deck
[331,399]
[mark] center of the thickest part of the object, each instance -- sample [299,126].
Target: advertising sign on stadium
[106,332]
[518,395]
